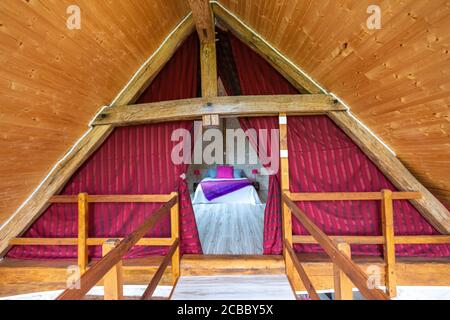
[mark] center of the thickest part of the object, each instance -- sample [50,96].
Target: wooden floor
[230,228]
[250,287]
[22,277]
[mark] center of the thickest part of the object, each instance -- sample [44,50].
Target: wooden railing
[338,247]
[83,241]
[109,267]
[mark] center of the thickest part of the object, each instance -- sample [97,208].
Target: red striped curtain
[133,160]
[257,77]
[323,159]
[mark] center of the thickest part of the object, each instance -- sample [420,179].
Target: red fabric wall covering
[257,77]
[133,160]
[178,79]
[322,158]
[272,217]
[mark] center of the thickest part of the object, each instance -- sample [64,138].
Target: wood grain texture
[62,173]
[354,273]
[208,63]
[387,223]
[21,277]
[396,79]
[99,269]
[343,287]
[204,21]
[244,287]
[113,279]
[301,272]
[231,228]
[83,232]
[196,108]
[378,239]
[292,74]
[430,208]
[410,272]
[24,276]
[53,80]
[160,272]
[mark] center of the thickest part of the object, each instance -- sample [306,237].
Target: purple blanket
[217,188]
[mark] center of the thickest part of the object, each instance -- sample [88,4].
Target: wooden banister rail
[434,239]
[138,198]
[91,242]
[351,196]
[98,270]
[301,272]
[388,239]
[160,272]
[353,272]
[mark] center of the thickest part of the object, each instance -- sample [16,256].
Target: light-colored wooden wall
[53,80]
[397,79]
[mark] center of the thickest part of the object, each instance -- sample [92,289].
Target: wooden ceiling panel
[53,80]
[396,79]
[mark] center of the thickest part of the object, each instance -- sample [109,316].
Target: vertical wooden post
[208,61]
[343,287]
[83,226]
[387,219]
[175,231]
[286,212]
[113,280]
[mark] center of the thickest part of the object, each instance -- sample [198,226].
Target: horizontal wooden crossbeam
[90,242]
[138,198]
[355,273]
[245,106]
[436,239]
[349,196]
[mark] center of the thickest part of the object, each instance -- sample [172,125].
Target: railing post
[286,212]
[343,287]
[83,227]
[175,231]
[113,279]
[387,219]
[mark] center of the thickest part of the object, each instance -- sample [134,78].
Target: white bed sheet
[247,195]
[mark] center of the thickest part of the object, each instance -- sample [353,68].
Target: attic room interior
[225,150]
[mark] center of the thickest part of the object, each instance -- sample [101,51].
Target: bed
[229,216]
[219,190]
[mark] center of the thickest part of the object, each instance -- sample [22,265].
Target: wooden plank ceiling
[53,80]
[396,80]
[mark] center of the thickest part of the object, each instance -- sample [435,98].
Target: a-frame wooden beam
[390,165]
[430,207]
[254,41]
[38,202]
[196,108]
[204,22]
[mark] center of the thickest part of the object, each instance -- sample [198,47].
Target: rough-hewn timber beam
[434,211]
[208,62]
[37,204]
[253,40]
[191,109]
[204,21]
